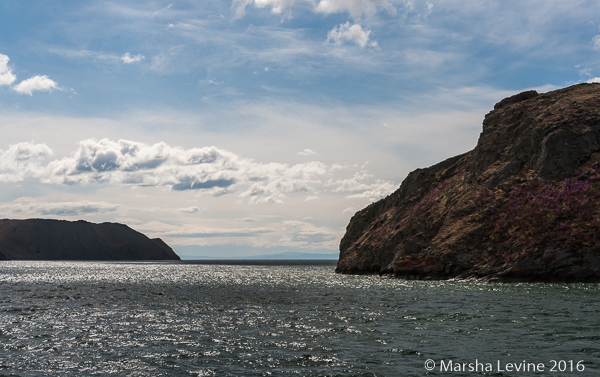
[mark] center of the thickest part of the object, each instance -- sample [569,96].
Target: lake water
[272,319]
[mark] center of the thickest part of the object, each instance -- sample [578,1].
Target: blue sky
[232,128]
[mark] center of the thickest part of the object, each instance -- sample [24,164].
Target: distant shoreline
[262,262]
[226,262]
[277,256]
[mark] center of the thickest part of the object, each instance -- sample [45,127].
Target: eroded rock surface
[41,239]
[522,206]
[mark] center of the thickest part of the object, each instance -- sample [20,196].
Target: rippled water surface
[185,319]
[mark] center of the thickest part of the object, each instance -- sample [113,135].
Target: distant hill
[286,255]
[524,205]
[42,239]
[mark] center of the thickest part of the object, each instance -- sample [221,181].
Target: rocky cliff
[522,206]
[40,239]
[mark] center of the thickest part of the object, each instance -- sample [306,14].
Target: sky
[246,127]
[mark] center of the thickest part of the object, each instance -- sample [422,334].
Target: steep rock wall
[522,206]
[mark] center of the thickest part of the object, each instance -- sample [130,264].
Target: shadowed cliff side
[41,239]
[522,206]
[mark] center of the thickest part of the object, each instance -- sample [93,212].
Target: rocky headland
[41,239]
[522,206]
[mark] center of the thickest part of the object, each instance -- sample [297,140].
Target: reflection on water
[189,319]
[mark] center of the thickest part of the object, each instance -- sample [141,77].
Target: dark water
[184,319]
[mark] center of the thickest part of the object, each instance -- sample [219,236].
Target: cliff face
[522,206]
[39,239]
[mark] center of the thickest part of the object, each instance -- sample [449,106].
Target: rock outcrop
[522,206]
[41,239]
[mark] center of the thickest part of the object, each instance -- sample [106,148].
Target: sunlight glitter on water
[94,318]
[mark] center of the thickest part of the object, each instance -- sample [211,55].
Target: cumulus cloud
[207,170]
[350,33]
[128,59]
[22,160]
[28,207]
[307,152]
[356,8]
[6,75]
[363,186]
[39,83]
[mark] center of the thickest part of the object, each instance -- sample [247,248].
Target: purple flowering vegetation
[548,212]
[433,195]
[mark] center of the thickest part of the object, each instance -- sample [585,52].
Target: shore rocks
[41,239]
[522,206]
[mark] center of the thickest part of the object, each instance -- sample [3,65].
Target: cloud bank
[207,170]
[26,205]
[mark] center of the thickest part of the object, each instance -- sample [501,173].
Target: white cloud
[363,186]
[190,210]
[307,152]
[378,190]
[596,43]
[207,232]
[585,71]
[349,210]
[207,171]
[277,6]
[28,207]
[429,9]
[22,160]
[309,198]
[594,80]
[356,8]
[6,75]
[350,33]
[156,13]
[128,59]
[40,83]
[83,54]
